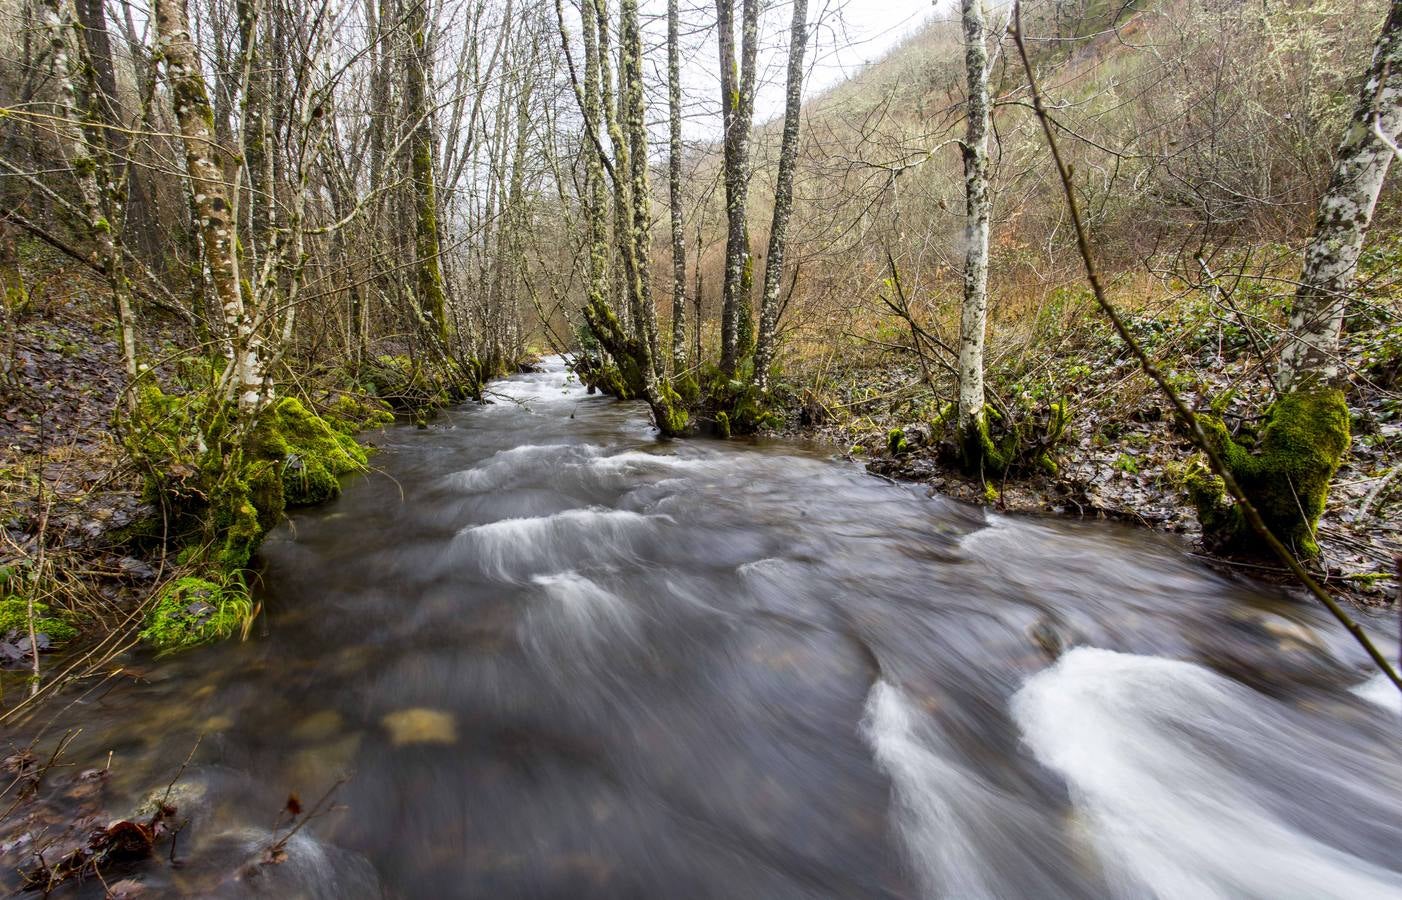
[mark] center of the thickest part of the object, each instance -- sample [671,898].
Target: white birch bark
[1311,349]
[196,120]
[86,157]
[978,208]
[674,184]
[783,196]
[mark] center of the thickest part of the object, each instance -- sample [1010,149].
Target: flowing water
[560,658]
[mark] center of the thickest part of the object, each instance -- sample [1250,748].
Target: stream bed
[556,657]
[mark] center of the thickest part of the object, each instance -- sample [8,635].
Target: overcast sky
[848,34]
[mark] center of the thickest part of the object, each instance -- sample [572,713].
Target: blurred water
[560,658]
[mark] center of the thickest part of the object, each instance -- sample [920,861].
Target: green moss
[419,388]
[312,454]
[1284,470]
[687,388]
[723,425]
[670,411]
[992,446]
[896,442]
[192,611]
[626,376]
[223,492]
[982,453]
[14,616]
[747,408]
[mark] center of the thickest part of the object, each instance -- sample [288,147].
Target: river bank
[1122,455]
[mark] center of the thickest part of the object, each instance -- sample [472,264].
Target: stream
[559,658]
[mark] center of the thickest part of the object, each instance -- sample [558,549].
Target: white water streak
[1166,817]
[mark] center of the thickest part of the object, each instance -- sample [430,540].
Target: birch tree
[195,117]
[783,196]
[737,80]
[972,415]
[1286,469]
[1311,351]
[674,187]
[83,144]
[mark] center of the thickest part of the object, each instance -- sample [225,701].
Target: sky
[848,34]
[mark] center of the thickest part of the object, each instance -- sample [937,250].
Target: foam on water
[577,613]
[518,464]
[1380,690]
[1168,817]
[518,548]
[938,806]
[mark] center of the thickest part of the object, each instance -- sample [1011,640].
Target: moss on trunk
[990,446]
[1284,470]
[628,376]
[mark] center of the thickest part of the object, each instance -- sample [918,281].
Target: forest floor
[1123,450]
[69,494]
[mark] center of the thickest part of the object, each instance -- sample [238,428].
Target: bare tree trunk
[256,131]
[92,16]
[632,352]
[697,296]
[640,190]
[737,112]
[596,200]
[674,185]
[217,230]
[84,145]
[971,418]
[432,299]
[783,197]
[1345,212]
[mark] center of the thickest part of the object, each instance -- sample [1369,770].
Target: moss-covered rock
[1284,469]
[311,453]
[14,616]
[351,414]
[192,611]
[223,484]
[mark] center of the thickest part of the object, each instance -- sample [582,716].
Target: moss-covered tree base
[224,484]
[420,388]
[745,408]
[989,447]
[625,376]
[1284,469]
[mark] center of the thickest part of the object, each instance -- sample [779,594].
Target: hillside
[1200,176]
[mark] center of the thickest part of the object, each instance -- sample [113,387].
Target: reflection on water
[560,658]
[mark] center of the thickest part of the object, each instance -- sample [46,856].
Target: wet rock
[301,867]
[1272,654]
[419,725]
[1047,636]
